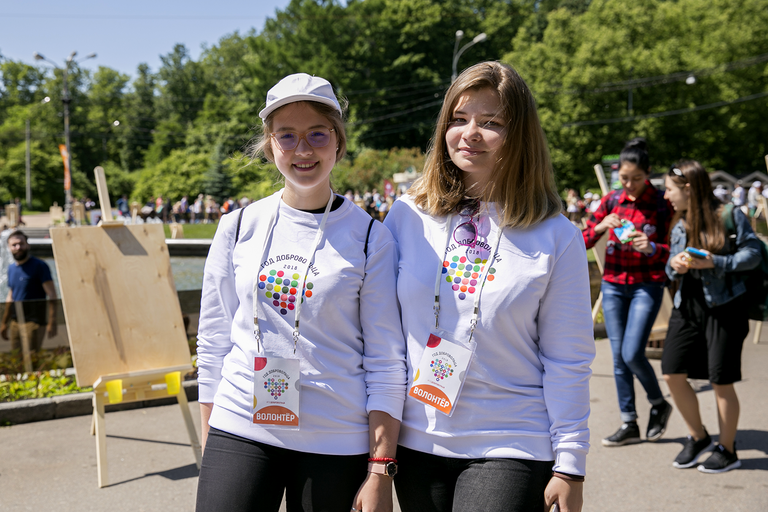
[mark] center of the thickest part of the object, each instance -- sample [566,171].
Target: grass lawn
[193,230]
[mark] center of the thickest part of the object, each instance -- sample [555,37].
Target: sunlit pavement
[51,465]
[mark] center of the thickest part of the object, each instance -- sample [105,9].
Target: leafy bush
[38,385]
[42,360]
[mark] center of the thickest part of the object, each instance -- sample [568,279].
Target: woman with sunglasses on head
[494,295]
[711,245]
[300,350]
[636,218]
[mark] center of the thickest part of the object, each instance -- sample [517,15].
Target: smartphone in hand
[554,508]
[624,232]
[696,253]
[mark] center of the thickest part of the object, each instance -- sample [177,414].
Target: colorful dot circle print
[441,369]
[282,289]
[464,275]
[276,387]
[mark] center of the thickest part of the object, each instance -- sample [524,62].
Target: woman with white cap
[300,349]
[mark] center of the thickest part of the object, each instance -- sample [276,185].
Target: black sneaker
[657,423]
[692,450]
[628,433]
[720,461]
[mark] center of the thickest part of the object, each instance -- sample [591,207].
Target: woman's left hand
[375,495]
[699,263]
[567,494]
[640,242]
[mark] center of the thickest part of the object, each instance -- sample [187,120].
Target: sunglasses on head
[317,138]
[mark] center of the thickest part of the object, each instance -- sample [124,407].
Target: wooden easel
[661,324]
[78,213]
[123,317]
[56,213]
[12,214]
[177,230]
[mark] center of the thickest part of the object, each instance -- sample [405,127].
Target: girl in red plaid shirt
[637,219]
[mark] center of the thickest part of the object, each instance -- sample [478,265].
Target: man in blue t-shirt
[29,280]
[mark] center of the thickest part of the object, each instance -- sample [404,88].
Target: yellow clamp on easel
[173,382]
[115,391]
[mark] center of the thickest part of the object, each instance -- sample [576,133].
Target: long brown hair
[522,183]
[704,224]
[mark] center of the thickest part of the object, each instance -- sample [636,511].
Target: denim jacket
[717,289]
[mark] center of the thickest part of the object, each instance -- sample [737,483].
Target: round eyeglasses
[317,138]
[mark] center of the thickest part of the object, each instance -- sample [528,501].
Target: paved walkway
[37,220]
[51,465]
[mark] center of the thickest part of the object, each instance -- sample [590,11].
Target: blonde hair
[522,182]
[262,146]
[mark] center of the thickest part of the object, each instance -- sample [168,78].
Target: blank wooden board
[119,300]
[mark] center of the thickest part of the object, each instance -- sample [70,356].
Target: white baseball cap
[300,87]
[757,184]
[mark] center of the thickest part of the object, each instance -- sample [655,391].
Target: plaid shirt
[651,214]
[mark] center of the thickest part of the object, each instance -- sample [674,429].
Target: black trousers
[429,483]
[239,475]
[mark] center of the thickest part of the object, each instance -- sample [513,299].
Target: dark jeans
[429,483]
[630,310]
[242,475]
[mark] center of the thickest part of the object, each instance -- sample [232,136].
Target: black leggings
[242,475]
[428,483]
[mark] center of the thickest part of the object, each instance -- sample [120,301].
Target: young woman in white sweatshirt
[300,350]
[494,298]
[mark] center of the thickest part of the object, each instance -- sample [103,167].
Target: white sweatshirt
[351,348]
[526,394]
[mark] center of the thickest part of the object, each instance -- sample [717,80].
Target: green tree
[371,167]
[217,183]
[106,105]
[180,173]
[584,68]
[138,120]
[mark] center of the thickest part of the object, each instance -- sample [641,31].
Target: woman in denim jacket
[709,323]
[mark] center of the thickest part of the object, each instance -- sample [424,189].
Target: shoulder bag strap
[367,236]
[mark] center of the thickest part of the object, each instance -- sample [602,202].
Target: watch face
[391,469]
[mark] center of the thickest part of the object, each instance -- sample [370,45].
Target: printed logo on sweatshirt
[281,288]
[464,275]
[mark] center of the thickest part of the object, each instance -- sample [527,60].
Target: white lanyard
[300,288]
[439,279]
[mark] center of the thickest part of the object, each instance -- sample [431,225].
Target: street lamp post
[66,100]
[28,163]
[29,160]
[479,38]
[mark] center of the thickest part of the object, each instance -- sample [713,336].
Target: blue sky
[123,34]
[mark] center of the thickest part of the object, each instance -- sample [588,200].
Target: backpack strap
[367,236]
[239,220]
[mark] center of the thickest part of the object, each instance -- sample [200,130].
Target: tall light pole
[479,38]
[29,160]
[66,100]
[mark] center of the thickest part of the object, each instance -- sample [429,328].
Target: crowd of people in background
[205,209]
[578,207]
